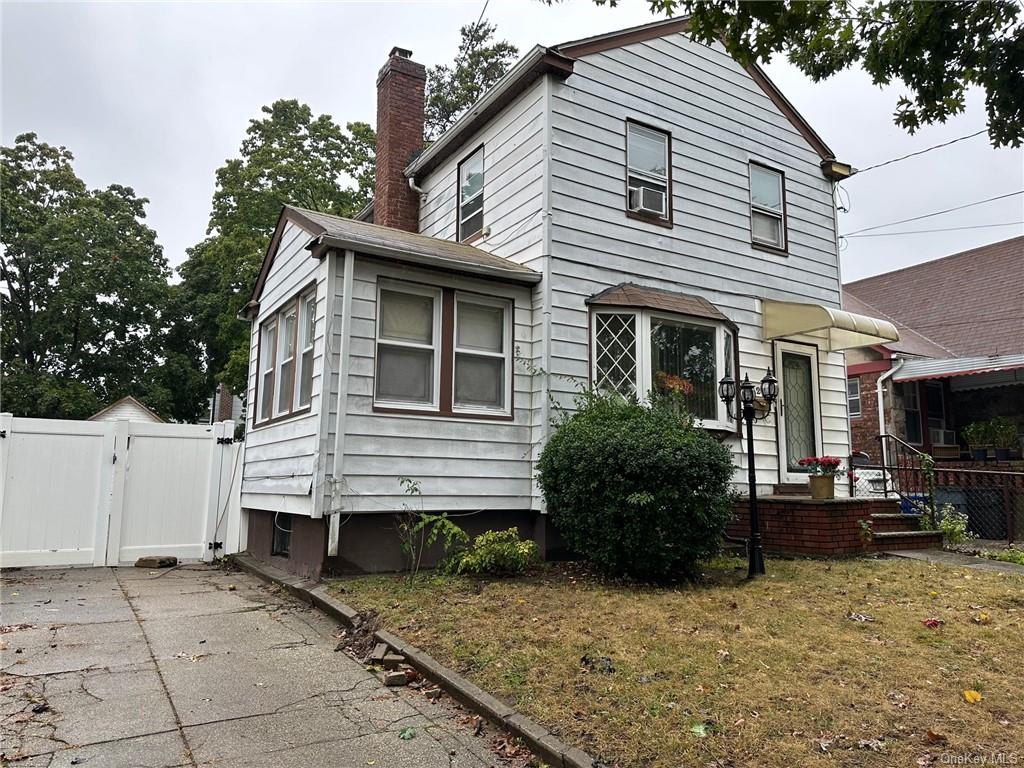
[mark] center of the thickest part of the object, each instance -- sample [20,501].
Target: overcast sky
[158,95]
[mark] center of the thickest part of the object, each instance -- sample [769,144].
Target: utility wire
[944,229]
[919,152]
[935,213]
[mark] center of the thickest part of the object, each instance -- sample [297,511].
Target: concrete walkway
[959,560]
[118,668]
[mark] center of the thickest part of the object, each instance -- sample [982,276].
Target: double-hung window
[443,351]
[408,335]
[767,207]
[853,397]
[284,376]
[481,354]
[471,195]
[307,334]
[648,184]
[637,351]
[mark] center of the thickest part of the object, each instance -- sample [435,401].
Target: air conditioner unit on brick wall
[647,200]
[942,436]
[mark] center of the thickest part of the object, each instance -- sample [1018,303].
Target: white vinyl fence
[108,492]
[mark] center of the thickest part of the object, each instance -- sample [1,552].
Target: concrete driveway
[118,668]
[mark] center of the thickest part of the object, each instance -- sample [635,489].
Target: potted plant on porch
[1004,437]
[978,436]
[823,471]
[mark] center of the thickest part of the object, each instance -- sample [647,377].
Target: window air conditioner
[647,200]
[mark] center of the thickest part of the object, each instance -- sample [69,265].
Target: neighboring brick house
[960,357]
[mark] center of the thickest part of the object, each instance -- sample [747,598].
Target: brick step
[890,541]
[886,522]
[792,489]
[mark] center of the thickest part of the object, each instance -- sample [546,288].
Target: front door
[798,408]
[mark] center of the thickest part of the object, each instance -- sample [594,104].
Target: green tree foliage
[639,491]
[936,49]
[86,294]
[452,89]
[288,156]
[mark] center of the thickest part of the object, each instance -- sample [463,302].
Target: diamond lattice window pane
[615,354]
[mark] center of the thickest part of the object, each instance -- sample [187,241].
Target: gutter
[880,403]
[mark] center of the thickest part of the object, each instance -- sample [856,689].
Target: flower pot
[1002,454]
[823,486]
[979,454]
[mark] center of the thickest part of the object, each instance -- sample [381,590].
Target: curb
[539,739]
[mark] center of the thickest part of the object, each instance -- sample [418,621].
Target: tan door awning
[844,330]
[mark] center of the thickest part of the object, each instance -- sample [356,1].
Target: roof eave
[426,259]
[539,61]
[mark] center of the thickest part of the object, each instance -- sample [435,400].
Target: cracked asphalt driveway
[195,666]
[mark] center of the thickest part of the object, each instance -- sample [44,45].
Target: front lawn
[780,672]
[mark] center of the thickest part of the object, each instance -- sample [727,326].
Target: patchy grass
[770,673]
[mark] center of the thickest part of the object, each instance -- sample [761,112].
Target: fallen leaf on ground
[407,733]
[972,696]
[982,618]
[933,623]
[935,738]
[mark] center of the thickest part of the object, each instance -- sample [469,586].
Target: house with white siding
[614,211]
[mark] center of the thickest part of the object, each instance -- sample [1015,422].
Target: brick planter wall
[797,525]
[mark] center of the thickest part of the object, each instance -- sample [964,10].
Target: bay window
[443,351]
[284,370]
[286,359]
[307,333]
[267,358]
[636,351]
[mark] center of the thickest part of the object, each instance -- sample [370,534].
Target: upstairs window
[648,187]
[471,195]
[853,397]
[767,207]
[637,351]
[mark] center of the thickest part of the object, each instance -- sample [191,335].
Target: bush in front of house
[639,490]
[496,553]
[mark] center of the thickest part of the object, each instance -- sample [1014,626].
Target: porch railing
[992,500]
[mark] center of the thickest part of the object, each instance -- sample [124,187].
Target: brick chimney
[400,86]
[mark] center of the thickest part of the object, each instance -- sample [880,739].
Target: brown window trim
[472,236]
[756,244]
[295,300]
[446,395]
[667,221]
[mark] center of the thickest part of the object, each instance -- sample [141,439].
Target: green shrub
[496,553]
[638,490]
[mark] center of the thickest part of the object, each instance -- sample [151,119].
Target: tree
[936,49]
[86,292]
[288,156]
[452,89]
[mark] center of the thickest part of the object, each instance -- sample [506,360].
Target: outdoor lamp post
[747,396]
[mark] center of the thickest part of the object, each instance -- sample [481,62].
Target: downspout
[414,188]
[879,399]
[337,471]
[545,426]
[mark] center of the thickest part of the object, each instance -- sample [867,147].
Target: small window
[481,354]
[911,412]
[307,333]
[615,352]
[853,397]
[408,320]
[471,195]
[286,360]
[647,159]
[267,357]
[767,207]
[281,543]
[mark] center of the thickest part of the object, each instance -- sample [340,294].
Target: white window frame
[300,352]
[666,180]
[850,398]
[416,290]
[282,317]
[644,380]
[261,384]
[459,202]
[506,345]
[780,215]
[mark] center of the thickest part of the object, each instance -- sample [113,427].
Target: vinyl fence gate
[108,492]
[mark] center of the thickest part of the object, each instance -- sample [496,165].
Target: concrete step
[885,522]
[891,541]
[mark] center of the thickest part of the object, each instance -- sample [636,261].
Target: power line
[944,229]
[920,152]
[936,213]
[482,12]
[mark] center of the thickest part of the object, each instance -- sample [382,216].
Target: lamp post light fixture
[748,392]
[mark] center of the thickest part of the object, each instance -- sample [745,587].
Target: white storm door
[799,408]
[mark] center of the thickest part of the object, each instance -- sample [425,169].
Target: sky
[157,95]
